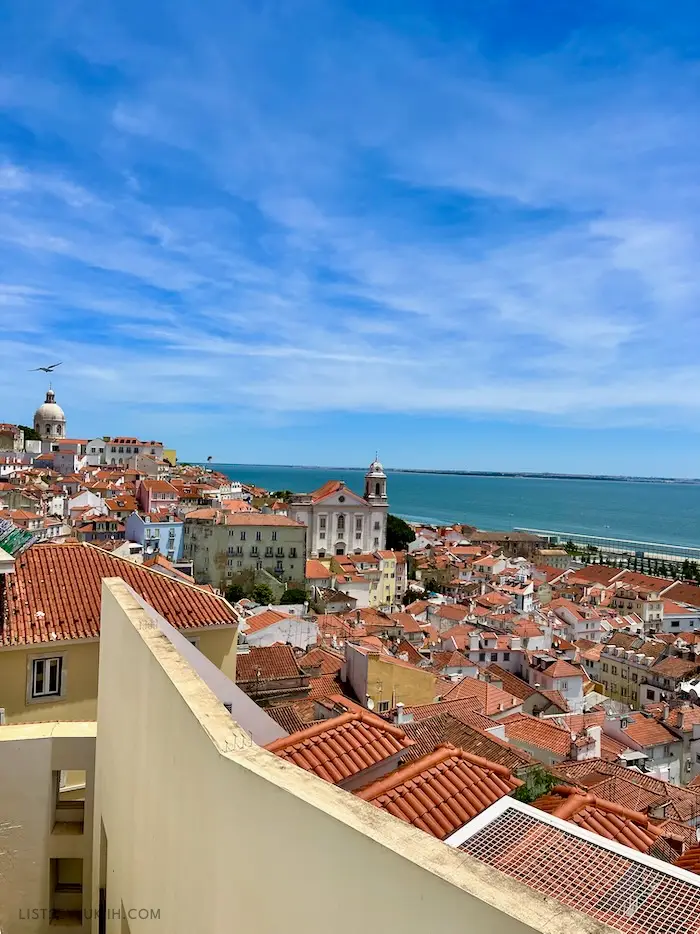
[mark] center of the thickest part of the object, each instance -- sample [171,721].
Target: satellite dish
[370,704]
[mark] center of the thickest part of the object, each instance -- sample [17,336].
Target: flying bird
[210,459]
[45,369]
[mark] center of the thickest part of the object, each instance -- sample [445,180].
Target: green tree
[284,495]
[663,570]
[570,547]
[538,782]
[235,592]
[29,433]
[399,534]
[293,595]
[262,594]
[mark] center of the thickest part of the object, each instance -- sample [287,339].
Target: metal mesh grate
[624,893]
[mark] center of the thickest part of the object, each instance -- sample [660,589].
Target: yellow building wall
[219,646]
[81,662]
[170,454]
[192,812]
[388,583]
[387,681]
[80,674]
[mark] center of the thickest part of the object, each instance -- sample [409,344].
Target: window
[383,706]
[358,523]
[482,656]
[242,536]
[377,526]
[675,623]
[494,656]
[358,536]
[321,534]
[614,670]
[321,522]
[605,667]
[254,550]
[322,554]
[341,523]
[292,552]
[667,750]
[506,656]
[634,677]
[258,536]
[650,694]
[268,551]
[46,676]
[274,536]
[565,685]
[193,640]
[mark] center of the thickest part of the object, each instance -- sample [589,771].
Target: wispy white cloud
[369,221]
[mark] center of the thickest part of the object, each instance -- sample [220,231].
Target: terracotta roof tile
[464,705]
[441,792]
[343,747]
[316,571]
[431,732]
[492,699]
[597,574]
[267,663]
[329,662]
[611,821]
[325,685]
[563,669]
[287,717]
[612,780]
[684,593]
[673,667]
[690,860]
[542,734]
[56,588]
[265,619]
[645,731]
[512,683]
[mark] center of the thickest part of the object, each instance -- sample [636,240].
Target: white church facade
[340,522]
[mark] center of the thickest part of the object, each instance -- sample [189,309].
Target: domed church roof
[50,411]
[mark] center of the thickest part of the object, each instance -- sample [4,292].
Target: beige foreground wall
[29,755]
[219,836]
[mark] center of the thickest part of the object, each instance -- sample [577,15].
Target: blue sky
[462,233]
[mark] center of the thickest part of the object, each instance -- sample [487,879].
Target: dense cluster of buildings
[469,722]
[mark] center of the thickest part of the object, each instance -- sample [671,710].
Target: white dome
[50,412]
[375,469]
[49,418]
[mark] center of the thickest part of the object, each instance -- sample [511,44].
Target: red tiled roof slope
[441,792]
[56,588]
[267,663]
[338,749]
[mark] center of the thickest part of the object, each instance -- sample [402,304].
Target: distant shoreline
[503,474]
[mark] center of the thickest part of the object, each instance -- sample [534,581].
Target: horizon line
[506,474]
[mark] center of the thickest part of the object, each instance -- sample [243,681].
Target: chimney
[665,710]
[594,732]
[473,641]
[401,717]
[516,644]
